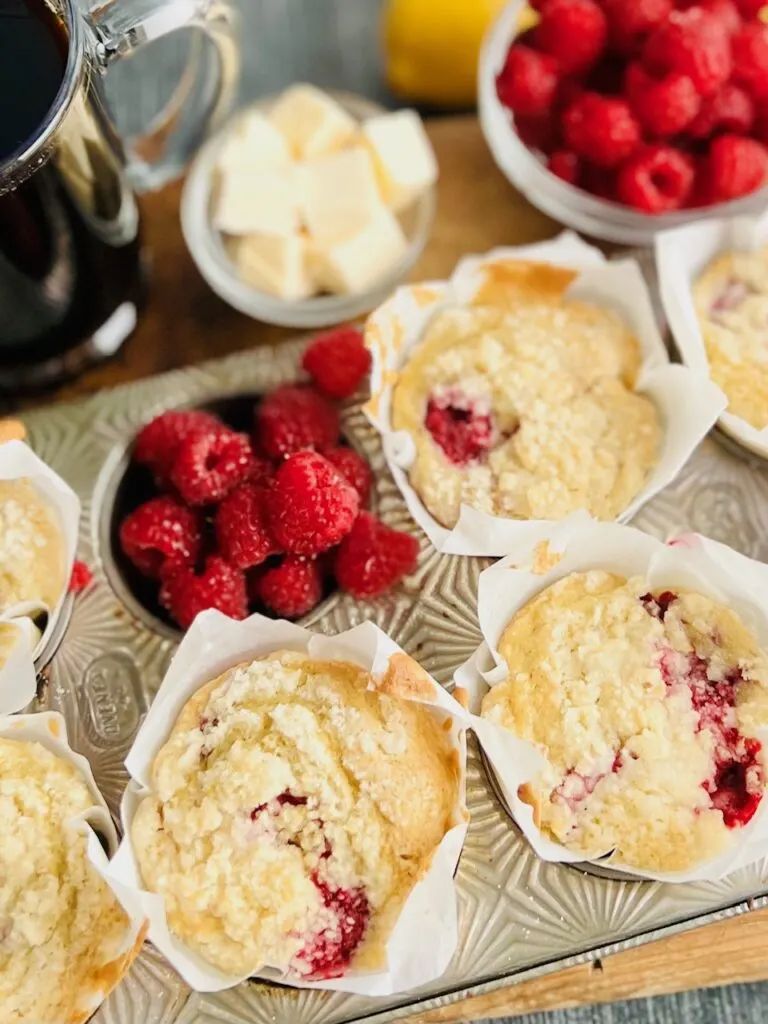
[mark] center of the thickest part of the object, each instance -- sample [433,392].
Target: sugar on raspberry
[185,593]
[735,166]
[295,417]
[730,109]
[690,43]
[210,463]
[527,83]
[750,59]
[664,106]
[355,470]
[574,32]
[373,557]
[157,443]
[243,535]
[160,535]
[601,129]
[630,22]
[292,588]
[657,179]
[337,362]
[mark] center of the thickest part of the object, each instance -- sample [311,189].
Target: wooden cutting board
[184,322]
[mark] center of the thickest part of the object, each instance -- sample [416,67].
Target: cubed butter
[403,155]
[311,122]
[340,194]
[255,145]
[258,202]
[356,263]
[275,264]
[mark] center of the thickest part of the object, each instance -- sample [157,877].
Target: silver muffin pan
[519,916]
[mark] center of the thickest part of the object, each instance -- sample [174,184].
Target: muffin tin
[519,916]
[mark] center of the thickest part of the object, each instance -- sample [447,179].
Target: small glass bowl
[555,197]
[209,253]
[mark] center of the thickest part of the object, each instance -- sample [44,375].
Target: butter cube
[274,264]
[256,145]
[361,260]
[340,194]
[311,122]
[403,155]
[258,202]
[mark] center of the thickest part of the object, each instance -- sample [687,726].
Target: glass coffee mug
[70,260]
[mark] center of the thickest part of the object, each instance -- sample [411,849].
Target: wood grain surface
[184,322]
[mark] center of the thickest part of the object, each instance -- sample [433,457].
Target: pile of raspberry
[269,521]
[655,104]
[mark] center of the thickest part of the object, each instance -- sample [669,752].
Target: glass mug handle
[121,27]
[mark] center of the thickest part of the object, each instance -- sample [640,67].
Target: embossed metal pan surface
[518,915]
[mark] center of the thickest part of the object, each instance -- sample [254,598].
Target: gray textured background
[335,43]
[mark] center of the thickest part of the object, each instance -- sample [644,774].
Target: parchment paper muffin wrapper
[682,255]
[17,674]
[50,730]
[425,936]
[687,401]
[694,563]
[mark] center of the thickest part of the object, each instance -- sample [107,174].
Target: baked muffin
[731,300]
[292,812]
[62,932]
[646,706]
[32,549]
[526,410]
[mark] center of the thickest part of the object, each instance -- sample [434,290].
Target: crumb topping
[31,547]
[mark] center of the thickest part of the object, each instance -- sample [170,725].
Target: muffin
[292,810]
[62,932]
[646,706]
[523,407]
[32,548]
[731,301]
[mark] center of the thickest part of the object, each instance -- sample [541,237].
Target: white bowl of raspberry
[623,119]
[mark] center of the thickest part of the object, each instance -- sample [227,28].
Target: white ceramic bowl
[208,251]
[552,195]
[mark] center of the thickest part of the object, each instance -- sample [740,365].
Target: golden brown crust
[407,679]
[505,283]
[12,430]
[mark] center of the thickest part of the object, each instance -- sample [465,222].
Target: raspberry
[80,578]
[185,593]
[749,9]
[310,505]
[292,418]
[337,362]
[735,167]
[528,81]
[210,463]
[292,588]
[540,133]
[242,534]
[760,126]
[573,32]
[374,557]
[730,109]
[601,130]
[354,469]
[656,179]
[158,442]
[565,165]
[631,21]
[599,181]
[348,911]
[161,535]
[692,43]
[461,426]
[725,11]
[662,106]
[262,471]
[750,60]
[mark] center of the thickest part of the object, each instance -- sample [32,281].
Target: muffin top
[292,811]
[62,932]
[32,555]
[646,706]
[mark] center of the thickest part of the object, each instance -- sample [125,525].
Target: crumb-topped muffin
[731,300]
[292,812]
[646,707]
[32,550]
[62,932]
[527,411]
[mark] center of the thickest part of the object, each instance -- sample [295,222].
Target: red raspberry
[158,442]
[601,129]
[735,167]
[337,362]
[354,469]
[565,165]
[631,21]
[242,534]
[724,10]
[656,179]
[292,588]
[292,418]
[161,535]
[750,9]
[692,43]
[573,32]
[347,911]
[374,557]
[599,181]
[662,106]
[80,578]
[210,463]
[310,505]
[527,83]
[540,133]
[185,593]
[750,60]
[760,127]
[262,471]
[730,109]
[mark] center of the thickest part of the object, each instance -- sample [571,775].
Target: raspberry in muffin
[292,811]
[647,707]
[32,550]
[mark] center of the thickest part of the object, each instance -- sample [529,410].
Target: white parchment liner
[682,255]
[687,401]
[17,675]
[425,936]
[506,587]
[50,731]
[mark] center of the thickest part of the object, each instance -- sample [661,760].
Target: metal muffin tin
[519,917]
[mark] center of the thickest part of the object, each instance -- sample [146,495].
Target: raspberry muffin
[62,932]
[32,549]
[646,706]
[731,300]
[292,812]
[527,410]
